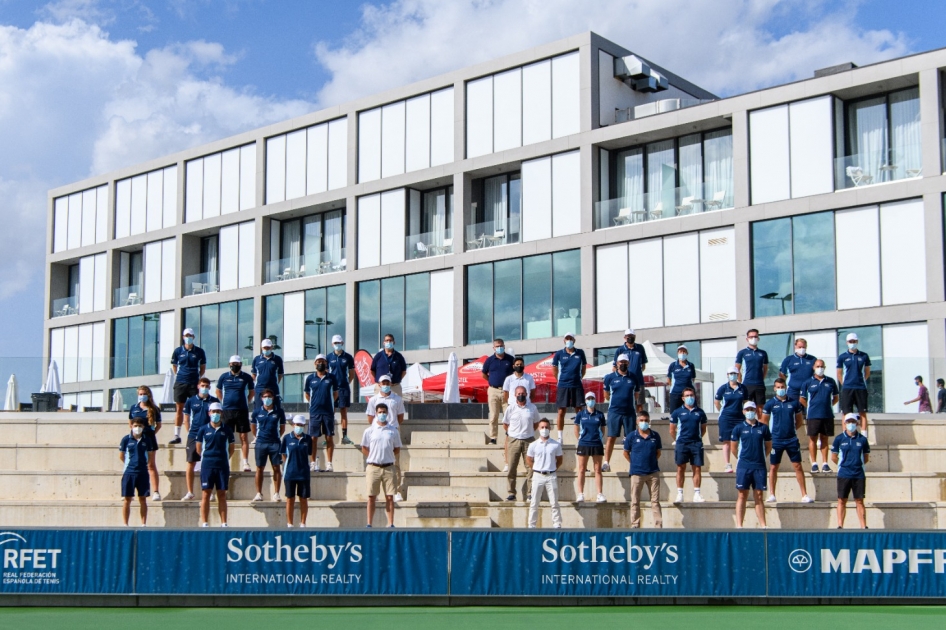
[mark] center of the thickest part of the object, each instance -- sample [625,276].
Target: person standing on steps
[797,368]
[134,454]
[341,365]
[320,391]
[680,376]
[215,447]
[295,450]
[754,440]
[544,457]
[729,400]
[147,410]
[853,374]
[620,389]
[818,396]
[850,451]
[380,445]
[235,390]
[517,379]
[267,372]
[922,397]
[197,410]
[568,369]
[589,429]
[637,361]
[520,421]
[687,428]
[496,368]
[395,407]
[940,395]
[784,418]
[389,361]
[642,450]
[189,363]
[755,367]
[268,423]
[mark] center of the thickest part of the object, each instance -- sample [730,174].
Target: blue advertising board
[67,561]
[300,562]
[857,564]
[608,563]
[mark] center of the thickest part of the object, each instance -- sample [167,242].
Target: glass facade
[135,342]
[496,211]
[429,223]
[223,330]
[870,339]
[399,306]
[524,298]
[306,247]
[324,317]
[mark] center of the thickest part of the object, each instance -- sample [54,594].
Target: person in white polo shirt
[380,444]
[544,457]
[395,405]
[519,421]
[518,378]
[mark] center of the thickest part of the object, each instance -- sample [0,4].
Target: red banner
[363,368]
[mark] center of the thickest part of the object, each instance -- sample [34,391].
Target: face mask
[383,418]
[521,398]
[268,402]
[500,350]
[754,341]
[689,400]
[801,351]
[267,353]
[644,426]
[319,367]
[819,371]
[137,431]
[622,366]
[682,356]
[143,398]
[779,392]
[205,391]
[338,346]
[298,430]
[388,345]
[386,389]
[852,346]
[750,416]
[851,427]
[215,418]
[518,369]
[188,341]
[236,367]
[590,404]
[629,339]
[569,344]
[544,432]
[732,377]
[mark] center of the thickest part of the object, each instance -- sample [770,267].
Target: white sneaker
[246,466]
[728,468]
[679,498]
[188,497]
[205,524]
[258,497]
[276,497]
[329,468]
[397,497]
[505,467]
[289,525]
[224,525]
[313,467]
[156,496]
[807,499]
[302,525]
[698,497]
[771,499]
[580,498]
[605,467]
[601,499]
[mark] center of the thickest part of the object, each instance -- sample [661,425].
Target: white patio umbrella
[52,381]
[412,386]
[12,401]
[451,390]
[167,396]
[117,403]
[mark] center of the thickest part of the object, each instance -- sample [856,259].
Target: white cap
[590,395]
[236,359]
[188,331]
[266,343]
[852,416]
[748,405]
[681,346]
[732,370]
[567,335]
[337,339]
[216,407]
[630,331]
[623,357]
[852,336]
[384,377]
[320,356]
[300,419]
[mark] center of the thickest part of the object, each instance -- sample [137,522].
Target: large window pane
[479,303]
[210,327]
[772,267]
[335,310]
[661,175]
[369,309]
[604,355]
[537,296]
[718,173]
[273,307]
[867,135]
[315,323]
[778,346]
[292,388]
[192,321]
[566,292]
[135,343]
[515,208]
[507,307]
[905,132]
[392,309]
[245,341]
[813,265]
[227,334]
[869,340]
[630,177]
[119,348]
[691,166]
[152,337]
[417,312]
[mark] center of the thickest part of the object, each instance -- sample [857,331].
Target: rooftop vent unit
[841,67]
[638,74]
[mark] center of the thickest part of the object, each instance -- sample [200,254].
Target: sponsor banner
[608,563]
[67,561]
[857,564]
[300,562]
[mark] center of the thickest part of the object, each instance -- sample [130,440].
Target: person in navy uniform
[642,450]
[755,367]
[619,390]
[267,372]
[268,424]
[637,361]
[189,363]
[147,410]
[342,366]
[133,452]
[680,375]
[754,441]
[234,389]
[568,369]
[853,373]
[197,410]
[797,369]
[729,399]
[389,361]
[296,449]
[216,446]
[784,418]
[320,392]
[850,451]
[496,368]
[818,396]
[589,429]
[687,428]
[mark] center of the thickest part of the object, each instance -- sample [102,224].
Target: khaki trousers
[496,410]
[652,482]
[515,450]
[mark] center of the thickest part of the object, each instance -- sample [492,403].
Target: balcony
[128,296]
[201,283]
[427,244]
[306,266]
[877,167]
[671,202]
[66,306]
[492,234]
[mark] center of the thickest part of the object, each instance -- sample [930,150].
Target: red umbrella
[470,377]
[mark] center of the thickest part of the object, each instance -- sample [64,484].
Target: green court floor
[493,618]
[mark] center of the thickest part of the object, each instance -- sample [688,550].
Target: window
[308,246]
[302,323]
[524,298]
[80,219]
[496,211]
[604,355]
[223,330]
[146,202]
[399,306]
[135,342]
[220,183]
[429,223]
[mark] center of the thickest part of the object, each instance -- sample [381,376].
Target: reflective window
[869,340]
[399,306]
[135,342]
[479,304]
[416,312]
[273,318]
[778,346]
[495,210]
[604,355]
[369,315]
[537,296]
[507,299]
[292,388]
[223,330]
[324,317]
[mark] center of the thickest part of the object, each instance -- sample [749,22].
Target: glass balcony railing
[66,306]
[305,266]
[670,202]
[128,296]
[877,167]
[428,244]
[201,283]
[492,233]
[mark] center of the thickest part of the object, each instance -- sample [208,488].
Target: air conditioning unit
[631,67]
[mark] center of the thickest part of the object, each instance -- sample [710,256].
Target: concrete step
[427,494]
[449,523]
[449,464]
[448,438]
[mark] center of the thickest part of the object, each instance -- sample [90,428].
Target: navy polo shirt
[636,360]
[496,368]
[321,390]
[731,400]
[267,372]
[590,424]
[751,439]
[798,370]
[689,422]
[782,419]
[235,388]
[754,359]
[297,452]
[643,452]
[681,376]
[853,365]
[215,447]
[819,395]
[267,424]
[851,451]
[569,367]
[137,411]
[621,388]
[198,410]
[136,454]
[338,366]
[188,364]
[382,364]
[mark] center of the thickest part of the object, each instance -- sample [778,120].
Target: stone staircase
[62,469]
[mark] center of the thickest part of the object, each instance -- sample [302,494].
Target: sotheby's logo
[799,561]
[25,565]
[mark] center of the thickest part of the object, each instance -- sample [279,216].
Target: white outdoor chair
[624,217]
[197,288]
[447,247]
[301,272]
[498,237]
[686,205]
[132,299]
[658,211]
[421,250]
[717,201]
[858,176]
[341,265]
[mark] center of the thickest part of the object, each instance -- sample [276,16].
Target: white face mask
[137,431]
[754,341]
[851,427]
[819,371]
[544,432]
[801,351]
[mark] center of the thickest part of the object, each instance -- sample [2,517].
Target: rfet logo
[799,561]
[16,556]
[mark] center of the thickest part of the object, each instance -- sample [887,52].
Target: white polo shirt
[521,420]
[543,453]
[395,407]
[381,442]
[512,382]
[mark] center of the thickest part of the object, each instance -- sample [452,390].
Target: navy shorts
[301,489]
[214,478]
[135,481]
[321,424]
[753,478]
[726,427]
[791,448]
[344,399]
[688,453]
[618,422]
[270,451]
[570,397]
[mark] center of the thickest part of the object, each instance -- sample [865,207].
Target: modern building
[572,187]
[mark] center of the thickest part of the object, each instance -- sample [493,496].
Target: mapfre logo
[799,561]
[25,565]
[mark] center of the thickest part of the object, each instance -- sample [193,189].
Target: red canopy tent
[470,376]
[546,387]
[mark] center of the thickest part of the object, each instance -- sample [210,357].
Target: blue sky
[87,86]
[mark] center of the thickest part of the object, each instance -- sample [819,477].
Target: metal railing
[304,266]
